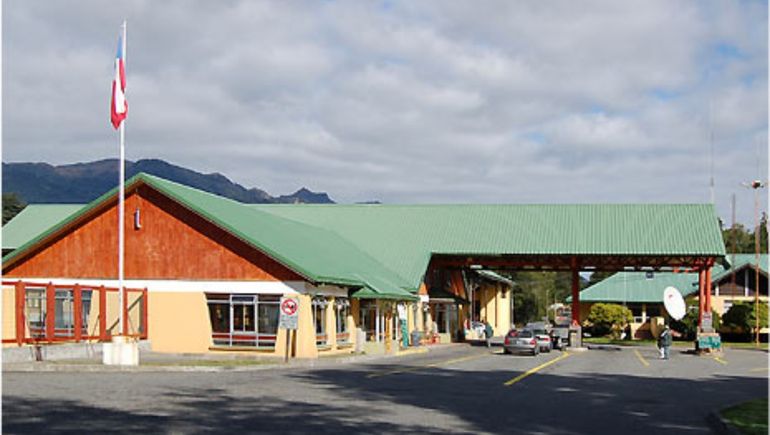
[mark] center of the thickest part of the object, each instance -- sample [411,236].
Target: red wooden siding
[173,243]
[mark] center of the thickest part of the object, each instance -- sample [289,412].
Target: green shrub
[609,319]
[740,316]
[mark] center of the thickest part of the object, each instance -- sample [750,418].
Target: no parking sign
[289,313]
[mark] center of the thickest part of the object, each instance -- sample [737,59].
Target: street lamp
[756,185]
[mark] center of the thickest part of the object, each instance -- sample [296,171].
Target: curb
[721,426]
[47,367]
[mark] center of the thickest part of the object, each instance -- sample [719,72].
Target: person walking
[488,332]
[664,342]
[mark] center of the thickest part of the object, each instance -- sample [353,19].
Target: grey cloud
[413,102]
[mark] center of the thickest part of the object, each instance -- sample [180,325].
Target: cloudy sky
[406,102]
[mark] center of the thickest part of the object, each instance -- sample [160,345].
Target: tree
[12,205]
[609,319]
[740,316]
[740,240]
[534,292]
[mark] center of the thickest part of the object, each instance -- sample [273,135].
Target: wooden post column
[145,314]
[125,313]
[701,295]
[575,293]
[102,313]
[707,305]
[77,312]
[50,311]
[21,323]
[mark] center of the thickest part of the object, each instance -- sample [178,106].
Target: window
[63,320]
[85,308]
[36,304]
[319,319]
[342,305]
[243,320]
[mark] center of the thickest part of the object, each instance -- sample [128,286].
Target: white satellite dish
[674,303]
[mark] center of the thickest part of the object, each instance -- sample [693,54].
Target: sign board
[289,312]
[707,323]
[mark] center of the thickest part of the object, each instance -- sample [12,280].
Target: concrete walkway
[168,362]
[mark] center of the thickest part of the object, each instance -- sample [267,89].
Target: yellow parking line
[641,358]
[436,364]
[720,360]
[535,369]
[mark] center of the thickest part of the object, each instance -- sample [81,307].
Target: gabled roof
[404,237]
[33,220]
[738,262]
[387,248]
[635,287]
[315,253]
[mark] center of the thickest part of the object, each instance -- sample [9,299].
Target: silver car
[543,339]
[521,341]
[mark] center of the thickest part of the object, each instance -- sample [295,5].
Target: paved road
[458,389]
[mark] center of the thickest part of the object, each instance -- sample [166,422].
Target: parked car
[521,341]
[542,334]
[543,340]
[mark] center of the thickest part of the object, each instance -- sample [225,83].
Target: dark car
[521,341]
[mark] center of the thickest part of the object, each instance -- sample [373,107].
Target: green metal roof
[635,287]
[403,237]
[33,220]
[315,253]
[387,248]
[738,262]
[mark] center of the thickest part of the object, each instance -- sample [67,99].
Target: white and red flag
[119,105]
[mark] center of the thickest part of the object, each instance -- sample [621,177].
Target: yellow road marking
[416,368]
[760,369]
[641,358]
[720,360]
[536,369]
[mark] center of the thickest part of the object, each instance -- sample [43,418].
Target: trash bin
[575,339]
[416,337]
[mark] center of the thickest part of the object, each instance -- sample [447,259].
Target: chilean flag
[119,105]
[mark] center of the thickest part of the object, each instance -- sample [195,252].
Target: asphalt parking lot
[457,389]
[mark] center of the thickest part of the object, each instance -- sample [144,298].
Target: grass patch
[750,417]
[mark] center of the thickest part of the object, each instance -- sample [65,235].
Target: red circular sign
[289,306]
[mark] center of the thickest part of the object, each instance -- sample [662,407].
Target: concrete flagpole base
[122,351]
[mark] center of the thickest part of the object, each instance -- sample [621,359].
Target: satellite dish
[674,303]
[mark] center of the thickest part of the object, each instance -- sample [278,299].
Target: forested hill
[81,183]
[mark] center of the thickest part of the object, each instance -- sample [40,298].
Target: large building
[205,273]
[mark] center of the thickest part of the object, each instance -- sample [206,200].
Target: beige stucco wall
[179,322]
[9,314]
[495,306]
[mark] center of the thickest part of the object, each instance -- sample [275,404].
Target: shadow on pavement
[412,401]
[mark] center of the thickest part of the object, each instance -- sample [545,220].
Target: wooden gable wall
[172,243]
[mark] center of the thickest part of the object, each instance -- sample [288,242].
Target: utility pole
[756,185]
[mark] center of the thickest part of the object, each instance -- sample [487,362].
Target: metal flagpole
[122,208]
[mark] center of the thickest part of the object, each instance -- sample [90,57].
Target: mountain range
[81,183]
